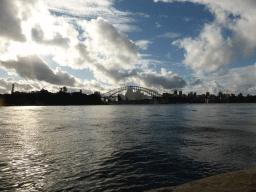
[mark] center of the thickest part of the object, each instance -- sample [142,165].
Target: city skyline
[204,46]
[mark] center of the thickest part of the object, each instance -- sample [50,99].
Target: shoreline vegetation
[46,98]
[237,181]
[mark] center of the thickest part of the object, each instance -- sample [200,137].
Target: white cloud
[212,51]
[243,79]
[111,43]
[143,44]
[208,52]
[236,80]
[93,9]
[38,36]
[33,30]
[22,86]
[50,35]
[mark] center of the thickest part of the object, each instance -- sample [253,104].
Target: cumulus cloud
[211,50]
[10,22]
[236,80]
[160,81]
[208,52]
[214,87]
[163,80]
[34,68]
[243,79]
[96,44]
[112,43]
[113,75]
[6,85]
[103,43]
[38,36]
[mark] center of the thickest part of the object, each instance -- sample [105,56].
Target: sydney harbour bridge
[148,92]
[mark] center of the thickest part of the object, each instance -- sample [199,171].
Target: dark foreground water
[122,147]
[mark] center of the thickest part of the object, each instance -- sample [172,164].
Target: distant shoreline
[115,104]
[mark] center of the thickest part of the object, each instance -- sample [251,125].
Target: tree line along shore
[44,97]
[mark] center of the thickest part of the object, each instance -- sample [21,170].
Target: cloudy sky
[99,45]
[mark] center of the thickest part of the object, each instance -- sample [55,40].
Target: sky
[99,45]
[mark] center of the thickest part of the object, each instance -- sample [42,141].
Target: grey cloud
[165,82]
[37,34]
[113,43]
[34,68]
[195,81]
[149,79]
[116,75]
[10,24]
[84,54]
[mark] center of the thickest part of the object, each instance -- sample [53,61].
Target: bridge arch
[149,92]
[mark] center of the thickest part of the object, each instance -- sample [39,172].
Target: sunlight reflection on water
[118,148]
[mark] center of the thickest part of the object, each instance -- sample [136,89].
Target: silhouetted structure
[12,88]
[44,97]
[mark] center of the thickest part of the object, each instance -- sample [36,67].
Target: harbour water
[122,147]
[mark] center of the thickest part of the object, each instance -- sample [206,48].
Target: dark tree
[65,90]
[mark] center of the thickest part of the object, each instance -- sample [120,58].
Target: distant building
[220,94]
[194,94]
[175,92]
[240,95]
[207,94]
[190,94]
[131,96]
[166,95]
[180,93]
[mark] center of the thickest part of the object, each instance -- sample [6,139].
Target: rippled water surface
[122,147]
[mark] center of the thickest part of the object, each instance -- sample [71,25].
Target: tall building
[180,93]
[175,92]
[190,94]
